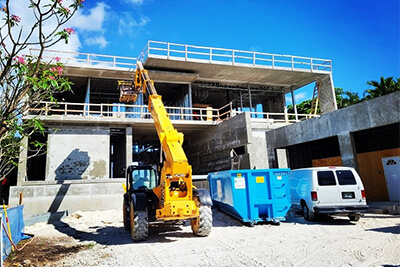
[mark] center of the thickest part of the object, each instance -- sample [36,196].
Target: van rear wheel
[308,214]
[354,217]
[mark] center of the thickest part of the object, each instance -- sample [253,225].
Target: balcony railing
[192,53]
[134,112]
[72,58]
[184,52]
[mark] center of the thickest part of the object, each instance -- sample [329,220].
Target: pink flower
[59,70]
[3,45]
[57,59]
[15,18]
[66,9]
[80,1]
[69,31]
[52,78]
[20,60]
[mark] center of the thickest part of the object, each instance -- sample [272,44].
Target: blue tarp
[16,219]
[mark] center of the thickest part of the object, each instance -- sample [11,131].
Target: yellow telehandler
[169,195]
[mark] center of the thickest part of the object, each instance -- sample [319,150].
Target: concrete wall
[78,152]
[257,150]
[42,197]
[210,150]
[327,95]
[369,114]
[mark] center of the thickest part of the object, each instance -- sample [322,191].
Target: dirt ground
[99,239]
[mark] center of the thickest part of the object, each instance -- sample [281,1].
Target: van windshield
[346,177]
[326,178]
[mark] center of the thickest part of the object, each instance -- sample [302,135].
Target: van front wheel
[308,214]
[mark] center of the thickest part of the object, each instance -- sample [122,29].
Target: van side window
[326,178]
[346,177]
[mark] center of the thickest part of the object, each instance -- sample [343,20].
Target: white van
[327,190]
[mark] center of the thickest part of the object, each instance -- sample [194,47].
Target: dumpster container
[252,196]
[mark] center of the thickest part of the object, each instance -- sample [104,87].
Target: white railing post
[65,109]
[292,62]
[168,50]
[46,109]
[186,51]
[312,67]
[233,57]
[88,58]
[211,51]
[115,61]
[254,58]
[273,61]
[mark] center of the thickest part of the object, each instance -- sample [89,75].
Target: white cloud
[93,21]
[135,2]
[129,26]
[300,97]
[101,41]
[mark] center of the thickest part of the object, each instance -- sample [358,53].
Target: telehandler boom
[170,195]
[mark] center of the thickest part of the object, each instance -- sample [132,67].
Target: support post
[294,104]
[22,162]
[348,150]
[129,145]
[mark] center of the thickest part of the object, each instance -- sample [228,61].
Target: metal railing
[123,111]
[68,57]
[184,52]
[273,117]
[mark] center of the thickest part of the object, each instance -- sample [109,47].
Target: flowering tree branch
[25,80]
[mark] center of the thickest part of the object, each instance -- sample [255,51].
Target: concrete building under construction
[228,103]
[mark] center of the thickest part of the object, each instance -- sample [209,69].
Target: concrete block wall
[209,150]
[341,123]
[327,97]
[78,152]
[42,197]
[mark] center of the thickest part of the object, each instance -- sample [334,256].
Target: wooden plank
[334,161]
[372,174]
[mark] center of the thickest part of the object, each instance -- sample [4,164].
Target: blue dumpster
[252,196]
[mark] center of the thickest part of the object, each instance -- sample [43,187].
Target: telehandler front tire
[139,224]
[202,225]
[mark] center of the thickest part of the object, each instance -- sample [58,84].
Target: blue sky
[361,37]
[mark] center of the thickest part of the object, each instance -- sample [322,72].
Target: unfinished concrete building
[223,100]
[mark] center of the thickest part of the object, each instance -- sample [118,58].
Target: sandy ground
[99,239]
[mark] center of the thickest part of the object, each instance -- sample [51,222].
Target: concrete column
[281,158]
[87,97]
[327,95]
[129,144]
[294,103]
[23,159]
[347,150]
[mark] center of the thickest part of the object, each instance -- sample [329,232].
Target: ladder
[315,99]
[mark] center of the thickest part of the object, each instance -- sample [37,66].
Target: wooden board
[334,161]
[372,174]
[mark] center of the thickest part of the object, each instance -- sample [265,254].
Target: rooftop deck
[186,63]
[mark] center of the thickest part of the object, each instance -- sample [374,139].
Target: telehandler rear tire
[125,212]
[139,224]
[202,225]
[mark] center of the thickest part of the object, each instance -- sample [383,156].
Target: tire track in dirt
[239,256]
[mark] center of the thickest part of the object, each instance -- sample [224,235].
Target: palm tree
[345,98]
[383,87]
